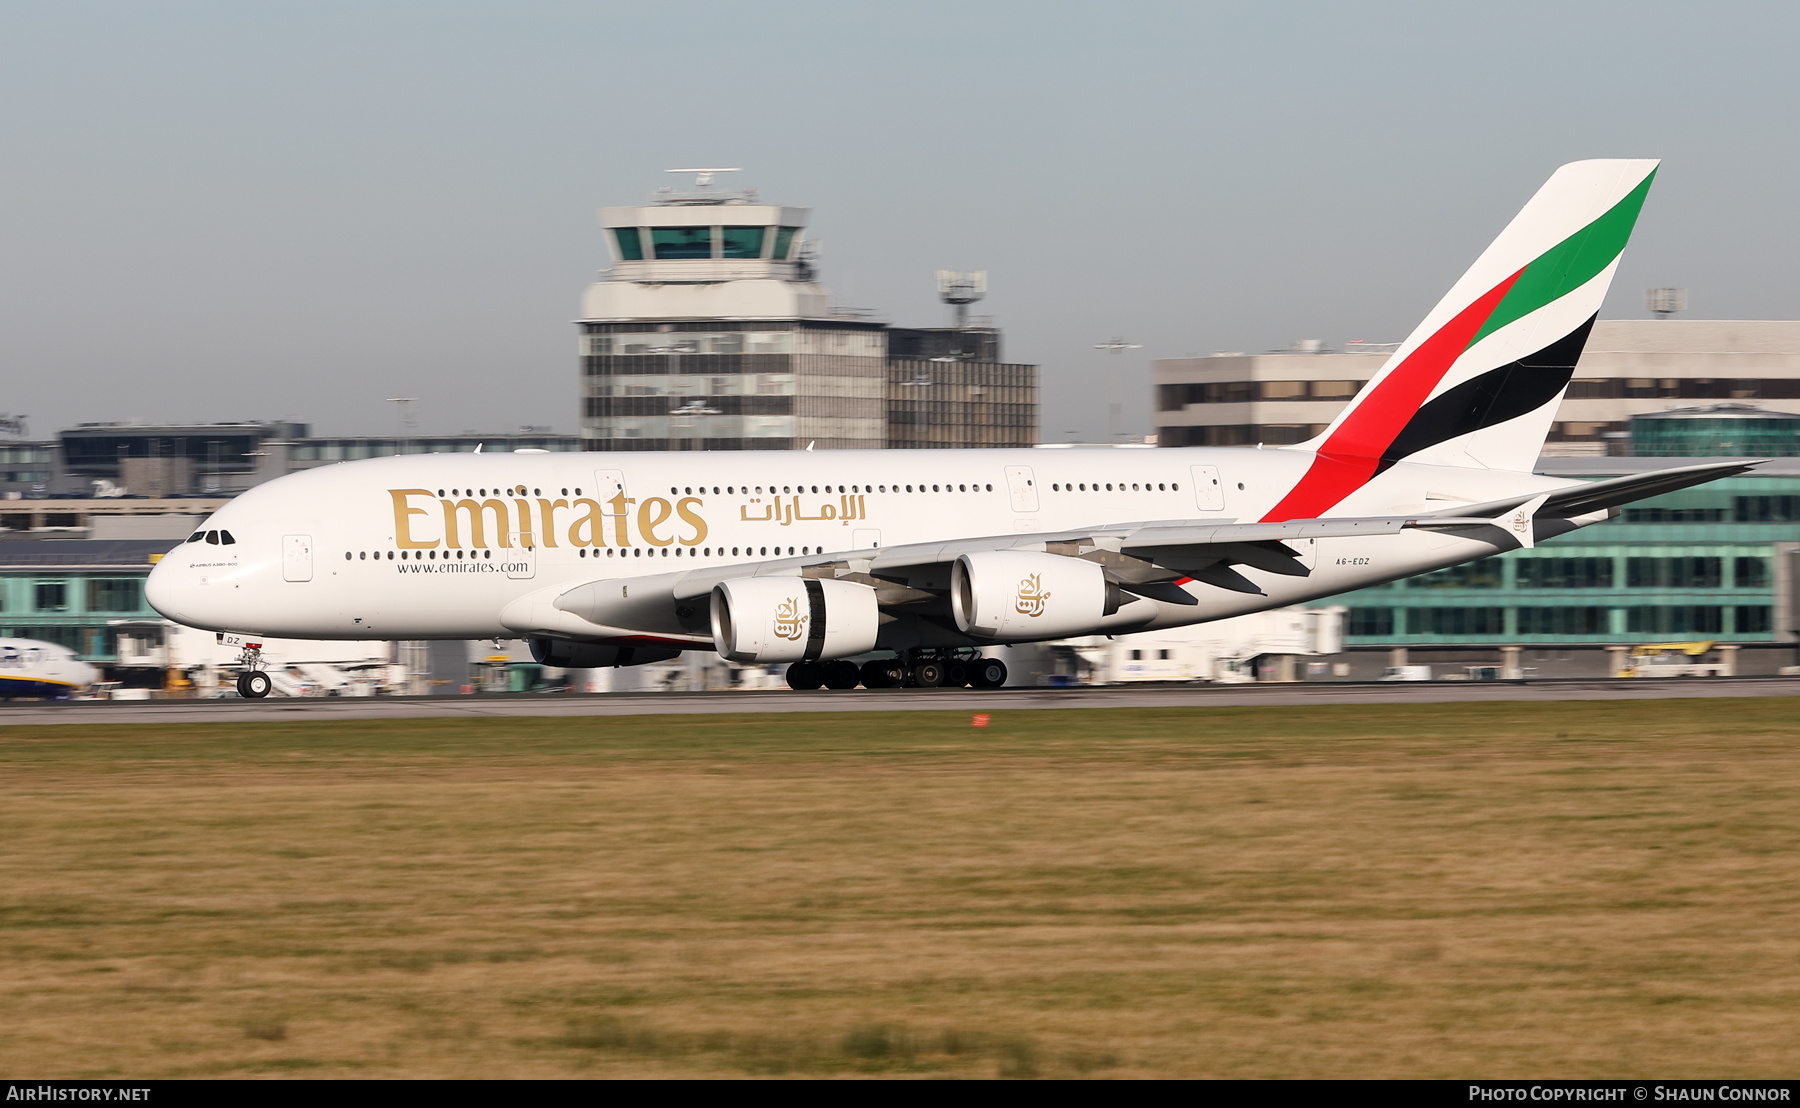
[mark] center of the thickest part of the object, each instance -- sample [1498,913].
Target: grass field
[1534,889]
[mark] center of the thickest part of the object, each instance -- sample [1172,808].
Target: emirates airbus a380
[814,558]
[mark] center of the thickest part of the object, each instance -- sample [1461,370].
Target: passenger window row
[784,489]
[690,490]
[365,555]
[516,490]
[637,552]
[1064,486]
[703,552]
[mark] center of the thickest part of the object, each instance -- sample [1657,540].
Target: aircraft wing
[1144,558]
[1148,559]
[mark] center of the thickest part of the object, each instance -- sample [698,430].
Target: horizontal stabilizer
[1594,496]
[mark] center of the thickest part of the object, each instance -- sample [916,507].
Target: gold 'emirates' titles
[659,522]
[521,521]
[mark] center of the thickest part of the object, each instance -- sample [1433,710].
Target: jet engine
[1024,596]
[587,655]
[792,619]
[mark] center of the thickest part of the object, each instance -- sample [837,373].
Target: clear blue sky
[253,210]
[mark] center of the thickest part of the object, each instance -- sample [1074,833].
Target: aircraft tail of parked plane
[930,556]
[1478,382]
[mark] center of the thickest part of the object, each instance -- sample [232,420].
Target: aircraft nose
[164,589]
[159,590]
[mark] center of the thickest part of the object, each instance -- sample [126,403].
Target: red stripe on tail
[1347,459]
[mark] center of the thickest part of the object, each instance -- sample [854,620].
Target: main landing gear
[922,669]
[253,683]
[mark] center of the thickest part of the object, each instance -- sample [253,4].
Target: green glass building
[1717,430]
[75,591]
[1714,563]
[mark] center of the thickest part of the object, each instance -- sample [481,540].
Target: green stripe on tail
[1571,263]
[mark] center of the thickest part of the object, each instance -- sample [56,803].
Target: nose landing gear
[253,683]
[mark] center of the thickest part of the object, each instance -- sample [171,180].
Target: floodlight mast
[1114,411]
[403,417]
[959,290]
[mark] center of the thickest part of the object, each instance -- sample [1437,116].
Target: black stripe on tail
[1494,397]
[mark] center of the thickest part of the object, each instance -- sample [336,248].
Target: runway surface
[1131,696]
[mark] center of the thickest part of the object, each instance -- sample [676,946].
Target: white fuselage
[32,668]
[438,546]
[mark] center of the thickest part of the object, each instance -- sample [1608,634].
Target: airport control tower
[711,332]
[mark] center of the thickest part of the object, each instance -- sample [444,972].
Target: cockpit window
[225,538]
[196,536]
[212,537]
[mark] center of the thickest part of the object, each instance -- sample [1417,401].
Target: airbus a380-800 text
[925,557]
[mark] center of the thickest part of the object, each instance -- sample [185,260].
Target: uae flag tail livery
[1477,384]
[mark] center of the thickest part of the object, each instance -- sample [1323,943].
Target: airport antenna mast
[959,290]
[703,193]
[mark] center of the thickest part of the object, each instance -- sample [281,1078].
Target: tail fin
[1478,382]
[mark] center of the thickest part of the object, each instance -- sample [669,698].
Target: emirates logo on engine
[789,623]
[1031,596]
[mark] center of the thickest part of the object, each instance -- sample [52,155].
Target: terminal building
[711,332]
[108,460]
[1630,368]
[1709,572]
[84,516]
[1713,565]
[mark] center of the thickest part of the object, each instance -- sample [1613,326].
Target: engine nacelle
[792,619]
[1023,596]
[587,655]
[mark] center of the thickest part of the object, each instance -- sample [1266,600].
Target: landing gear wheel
[254,685]
[956,674]
[882,675]
[805,676]
[988,673]
[842,675]
[928,675]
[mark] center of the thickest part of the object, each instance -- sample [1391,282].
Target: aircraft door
[609,490]
[1023,488]
[1308,549]
[521,559]
[608,483]
[1209,489]
[296,557]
